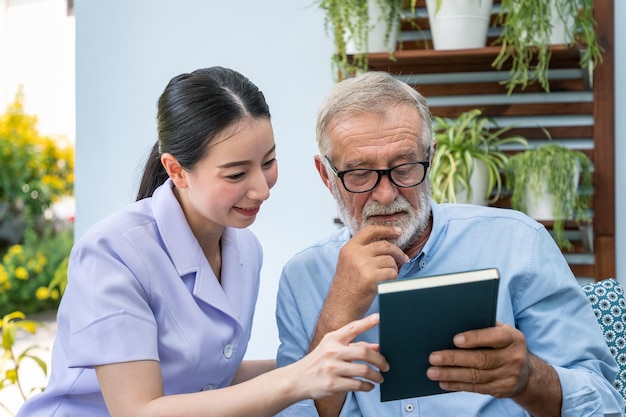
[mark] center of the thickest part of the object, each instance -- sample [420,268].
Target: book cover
[421,315]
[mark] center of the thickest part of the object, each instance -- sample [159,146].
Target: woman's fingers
[359,351]
[339,365]
[350,331]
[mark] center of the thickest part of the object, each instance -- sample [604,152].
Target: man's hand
[496,361]
[366,259]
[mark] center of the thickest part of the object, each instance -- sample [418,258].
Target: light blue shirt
[140,288]
[538,295]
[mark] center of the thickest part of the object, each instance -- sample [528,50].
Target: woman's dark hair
[192,110]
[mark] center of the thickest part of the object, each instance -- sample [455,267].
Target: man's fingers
[372,233]
[378,238]
[495,337]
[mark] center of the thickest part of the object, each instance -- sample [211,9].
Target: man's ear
[322,169]
[174,170]
[432,154]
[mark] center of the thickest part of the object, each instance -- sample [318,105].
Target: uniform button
[208,387]
[422,264]
[228,351]
[409,408]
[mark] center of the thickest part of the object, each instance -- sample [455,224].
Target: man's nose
[385,192]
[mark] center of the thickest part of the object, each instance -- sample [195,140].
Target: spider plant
[460,143]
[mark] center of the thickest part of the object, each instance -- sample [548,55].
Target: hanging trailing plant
[525,38]
[349,21]
[556,169]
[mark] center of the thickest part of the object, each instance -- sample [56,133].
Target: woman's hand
[331,367]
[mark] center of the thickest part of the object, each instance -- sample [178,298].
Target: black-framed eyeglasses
[362,180]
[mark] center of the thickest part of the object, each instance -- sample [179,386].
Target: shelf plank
[429,61]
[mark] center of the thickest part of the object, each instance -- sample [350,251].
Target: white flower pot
[376,37]
[459,24]
[541,207]
[479,182]
[562,31]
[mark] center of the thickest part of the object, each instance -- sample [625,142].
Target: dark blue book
[421,315]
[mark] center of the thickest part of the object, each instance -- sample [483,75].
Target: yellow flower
[4,275]
[42,293]
[54,294]
[11,375]
[21,273]
[15,250]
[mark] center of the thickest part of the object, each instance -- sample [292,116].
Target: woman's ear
[322,169]
[174,170]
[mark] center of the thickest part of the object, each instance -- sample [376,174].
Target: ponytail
[154,174]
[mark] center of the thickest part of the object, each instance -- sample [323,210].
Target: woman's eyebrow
[240,163]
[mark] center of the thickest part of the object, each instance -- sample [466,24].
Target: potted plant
[549,183]
[531,27]
[466,146]
[351,23]
[459,24]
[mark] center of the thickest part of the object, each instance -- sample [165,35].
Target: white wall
[126,53]
[37,53]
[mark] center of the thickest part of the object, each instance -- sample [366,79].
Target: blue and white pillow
[609,305]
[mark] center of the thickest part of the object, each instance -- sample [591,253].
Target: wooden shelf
[429,61]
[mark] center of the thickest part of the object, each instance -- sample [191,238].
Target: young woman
[158,310]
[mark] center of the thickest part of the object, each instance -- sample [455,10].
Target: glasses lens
[408,175]
[358,180]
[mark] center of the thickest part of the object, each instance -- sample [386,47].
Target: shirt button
[422,264]
[409,408]
[208,387]
[228,351]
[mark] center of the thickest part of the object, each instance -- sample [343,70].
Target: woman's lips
[248,212]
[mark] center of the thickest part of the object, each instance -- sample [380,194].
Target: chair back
[609,305]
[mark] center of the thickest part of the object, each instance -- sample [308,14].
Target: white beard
[413,223]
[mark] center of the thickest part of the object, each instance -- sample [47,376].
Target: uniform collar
[187,256]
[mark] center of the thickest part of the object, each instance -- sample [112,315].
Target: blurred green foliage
[37,171]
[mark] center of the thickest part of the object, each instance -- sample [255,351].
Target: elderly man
[545,357]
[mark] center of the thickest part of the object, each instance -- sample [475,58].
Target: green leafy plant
[460,142]
[349,21]
[29,272]
[552,168]
[525,37]
[10,360]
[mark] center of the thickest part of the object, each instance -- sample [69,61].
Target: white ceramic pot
[479,182]
[541,207]
[459,24]
[376,37]
[562,30]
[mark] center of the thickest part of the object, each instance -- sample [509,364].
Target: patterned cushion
[609,305]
